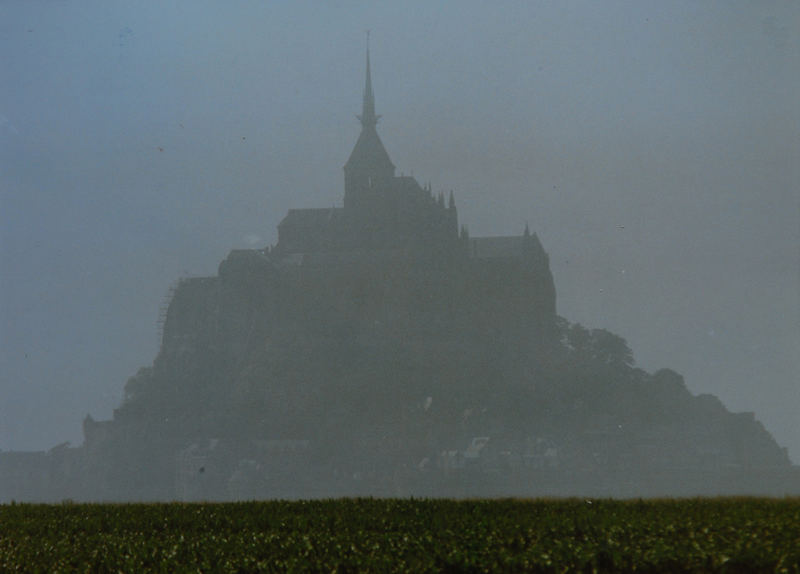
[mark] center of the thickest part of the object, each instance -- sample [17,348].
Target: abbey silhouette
[385,212]
[381,210]
[378,349]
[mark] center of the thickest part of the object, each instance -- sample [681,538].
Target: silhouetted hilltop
[378,349]
[381,370]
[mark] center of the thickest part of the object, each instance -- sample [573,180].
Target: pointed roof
[369,151]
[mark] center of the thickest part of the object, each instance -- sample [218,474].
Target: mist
[651,147]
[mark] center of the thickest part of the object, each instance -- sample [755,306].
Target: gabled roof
[496,247]
[313,217]
[503,247]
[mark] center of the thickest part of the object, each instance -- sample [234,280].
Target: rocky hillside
[389,372]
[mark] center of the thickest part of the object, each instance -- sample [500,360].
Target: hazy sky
[653,146]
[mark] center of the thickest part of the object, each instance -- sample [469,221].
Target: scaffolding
[163,309]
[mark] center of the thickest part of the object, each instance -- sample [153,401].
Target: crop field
[695,535]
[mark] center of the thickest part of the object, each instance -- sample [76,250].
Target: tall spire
[368,117]
[369,166]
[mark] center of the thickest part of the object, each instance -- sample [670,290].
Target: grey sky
[653,146]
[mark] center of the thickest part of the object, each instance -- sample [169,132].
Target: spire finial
[368,117]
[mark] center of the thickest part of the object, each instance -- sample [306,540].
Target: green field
[698,535]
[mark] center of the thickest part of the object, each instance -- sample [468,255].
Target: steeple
[368,118]
[369,167]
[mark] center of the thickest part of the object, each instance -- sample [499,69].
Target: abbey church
[389,214]
[381,210]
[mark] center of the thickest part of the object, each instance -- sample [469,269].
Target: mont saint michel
[378,348]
